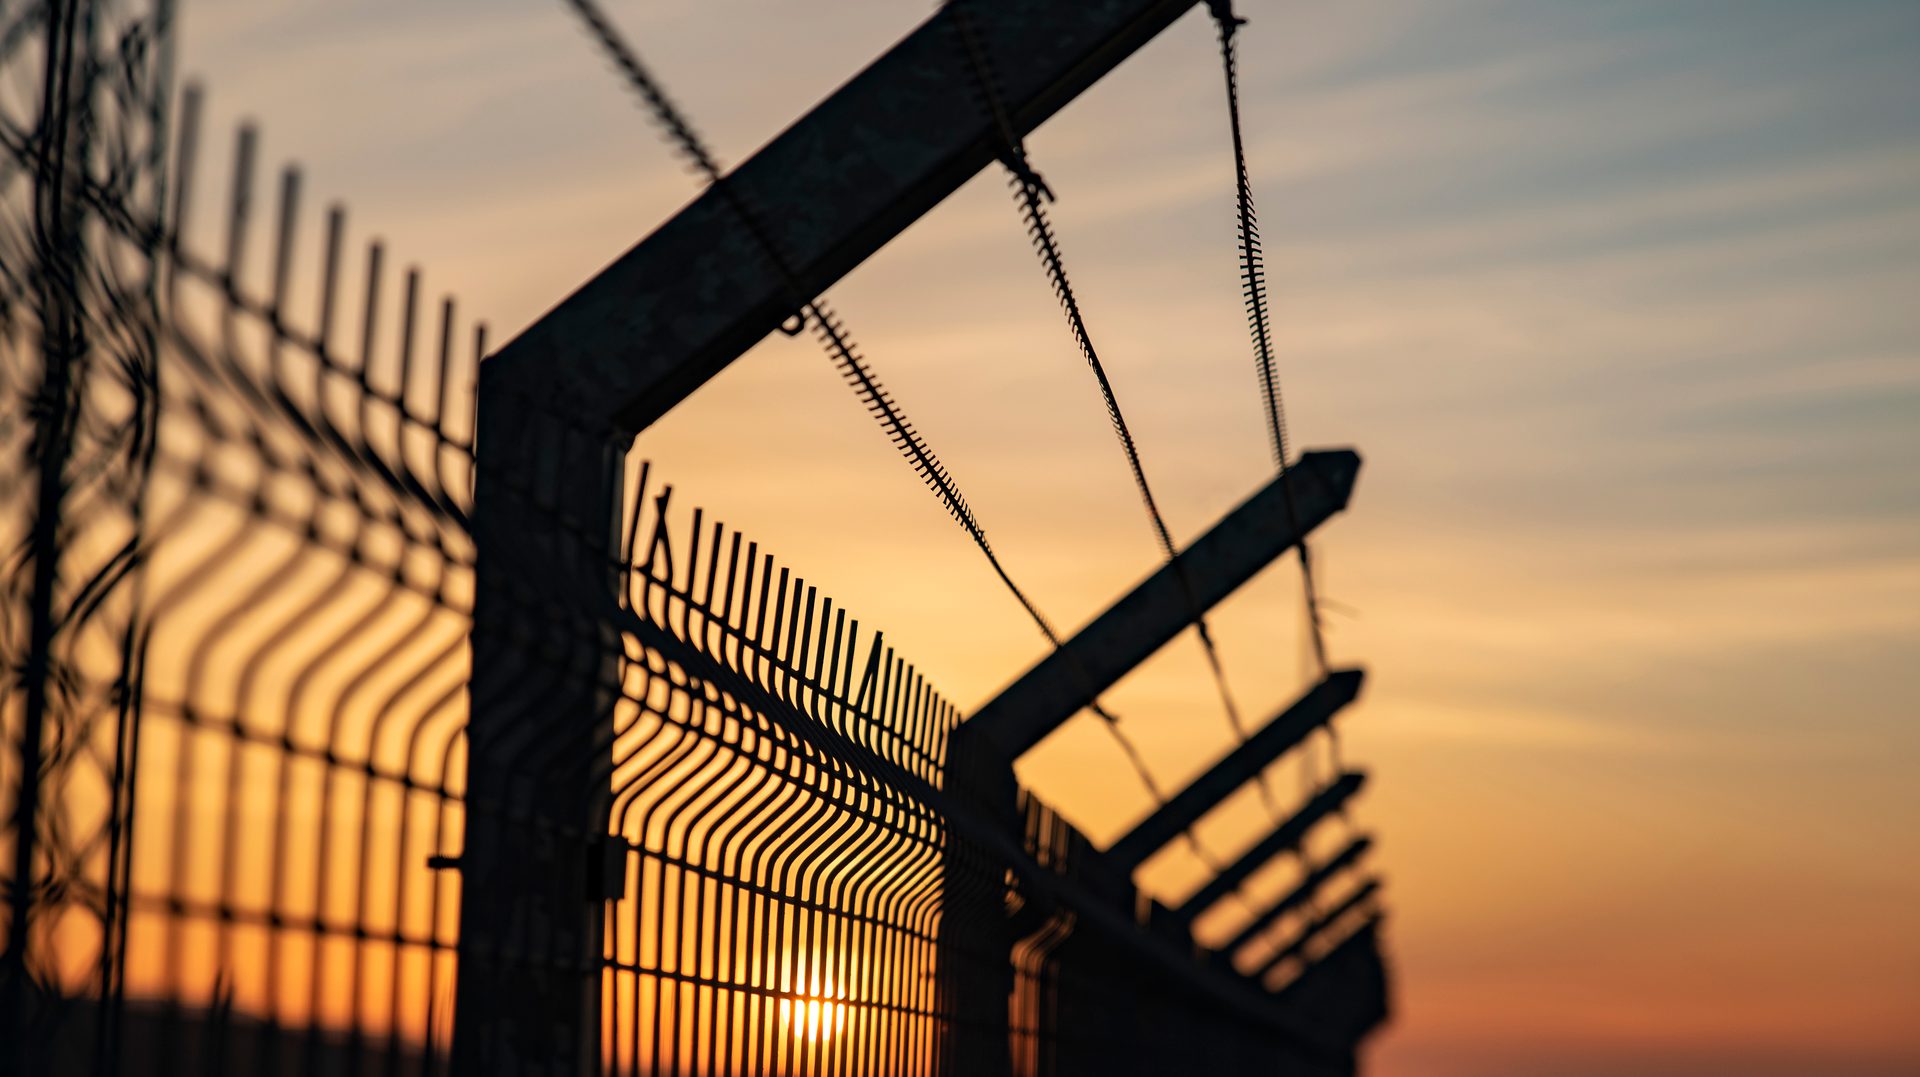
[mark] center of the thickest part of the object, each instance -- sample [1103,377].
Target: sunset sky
[1619,302]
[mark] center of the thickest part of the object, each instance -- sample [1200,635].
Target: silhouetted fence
[708,825]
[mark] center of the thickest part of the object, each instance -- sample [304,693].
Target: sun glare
[812,1018]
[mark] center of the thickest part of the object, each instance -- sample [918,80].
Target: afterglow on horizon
[1615,301]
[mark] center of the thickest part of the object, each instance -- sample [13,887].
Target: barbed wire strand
[1031,193]
[834,338]
[1253,278]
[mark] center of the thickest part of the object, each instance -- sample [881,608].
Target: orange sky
[1617,305]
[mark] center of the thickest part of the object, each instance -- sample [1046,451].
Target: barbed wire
[835,339]
[1253,277]
[1031,192]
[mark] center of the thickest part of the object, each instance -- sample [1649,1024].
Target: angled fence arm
[1286,836]
[1320,924]
[1293,899]
[827,193]
[1245,541]
[1238,767]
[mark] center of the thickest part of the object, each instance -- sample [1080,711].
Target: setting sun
[816,1018]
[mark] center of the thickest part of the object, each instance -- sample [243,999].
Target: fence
[289,788]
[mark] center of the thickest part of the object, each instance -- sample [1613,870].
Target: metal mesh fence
[279,799]
[781,877]
[77,418]
[290,888]
[298,581]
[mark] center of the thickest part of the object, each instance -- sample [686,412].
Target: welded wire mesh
[291,889]
[267,811]
[304,581]
[780,892]
[76,427]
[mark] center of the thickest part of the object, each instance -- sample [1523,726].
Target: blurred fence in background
[236,500]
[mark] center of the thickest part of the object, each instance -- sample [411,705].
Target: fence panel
[242,831]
